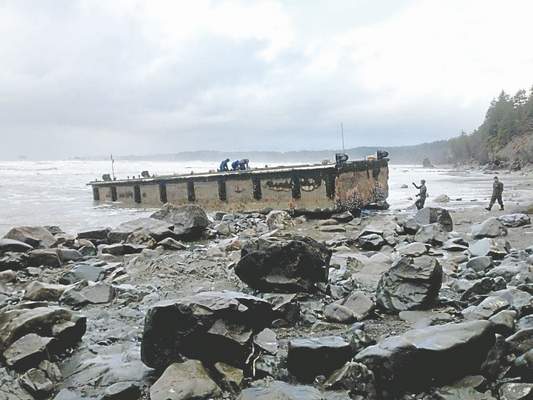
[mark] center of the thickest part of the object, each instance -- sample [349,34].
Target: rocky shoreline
[184,305]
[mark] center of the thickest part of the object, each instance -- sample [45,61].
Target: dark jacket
[497,188]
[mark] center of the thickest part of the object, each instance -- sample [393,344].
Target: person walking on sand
[497,191]
[421,195]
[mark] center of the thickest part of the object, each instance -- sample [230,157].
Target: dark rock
[66,255]
[432,215]
[13,261]
[189,221]
[480,263]
[486,309]
[96,234]
[209,326]
[65,326]
[27,352]
[354,377]
[35,236]
[371,241]
[122,391]
[10,388]
[483,286]
[521,341]
[520,301]
[526,322]
[514,220]
[410,226]
[230,377]
[15,246]
[40,291]
[524,364]
[121,249]
[504,322]
[284,266]
[310,357]
[44,257]
[284,306]
[184,381]
[411,283]
[355,307]
[429,356]
[37,383]
[344,217]
[278,390]
[82,272]
[489,228]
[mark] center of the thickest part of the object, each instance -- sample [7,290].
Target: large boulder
[184,381]
[208,326]
[65,326]
[432,215]
[428,356]
[284,266]
[410,284]
[42,291]
[189,221]
[156,228]
[310,357]
[489,228]
[44,257]
[514,220]
[35,236]
[371,241]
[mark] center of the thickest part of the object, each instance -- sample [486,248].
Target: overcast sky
[90,77]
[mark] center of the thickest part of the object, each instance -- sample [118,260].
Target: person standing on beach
[497,191]
[421,195]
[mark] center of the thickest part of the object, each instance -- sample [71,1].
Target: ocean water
[55,192]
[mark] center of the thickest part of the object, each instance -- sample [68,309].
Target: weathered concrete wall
[355,185]
[355,189]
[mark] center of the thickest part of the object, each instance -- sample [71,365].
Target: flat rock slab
[27,352]
[410,284]
[430,356]
[489,247]
[184,381]
[66,326]
[155,228]
[309,357]
[209,326]
[82,272]
[422,319]
[278,390]
[355,307]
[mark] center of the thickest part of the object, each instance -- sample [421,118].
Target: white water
[55,192]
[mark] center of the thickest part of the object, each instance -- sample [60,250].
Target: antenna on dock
[112,167]
[342,136]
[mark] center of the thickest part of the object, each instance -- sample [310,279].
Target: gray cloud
[80,78]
